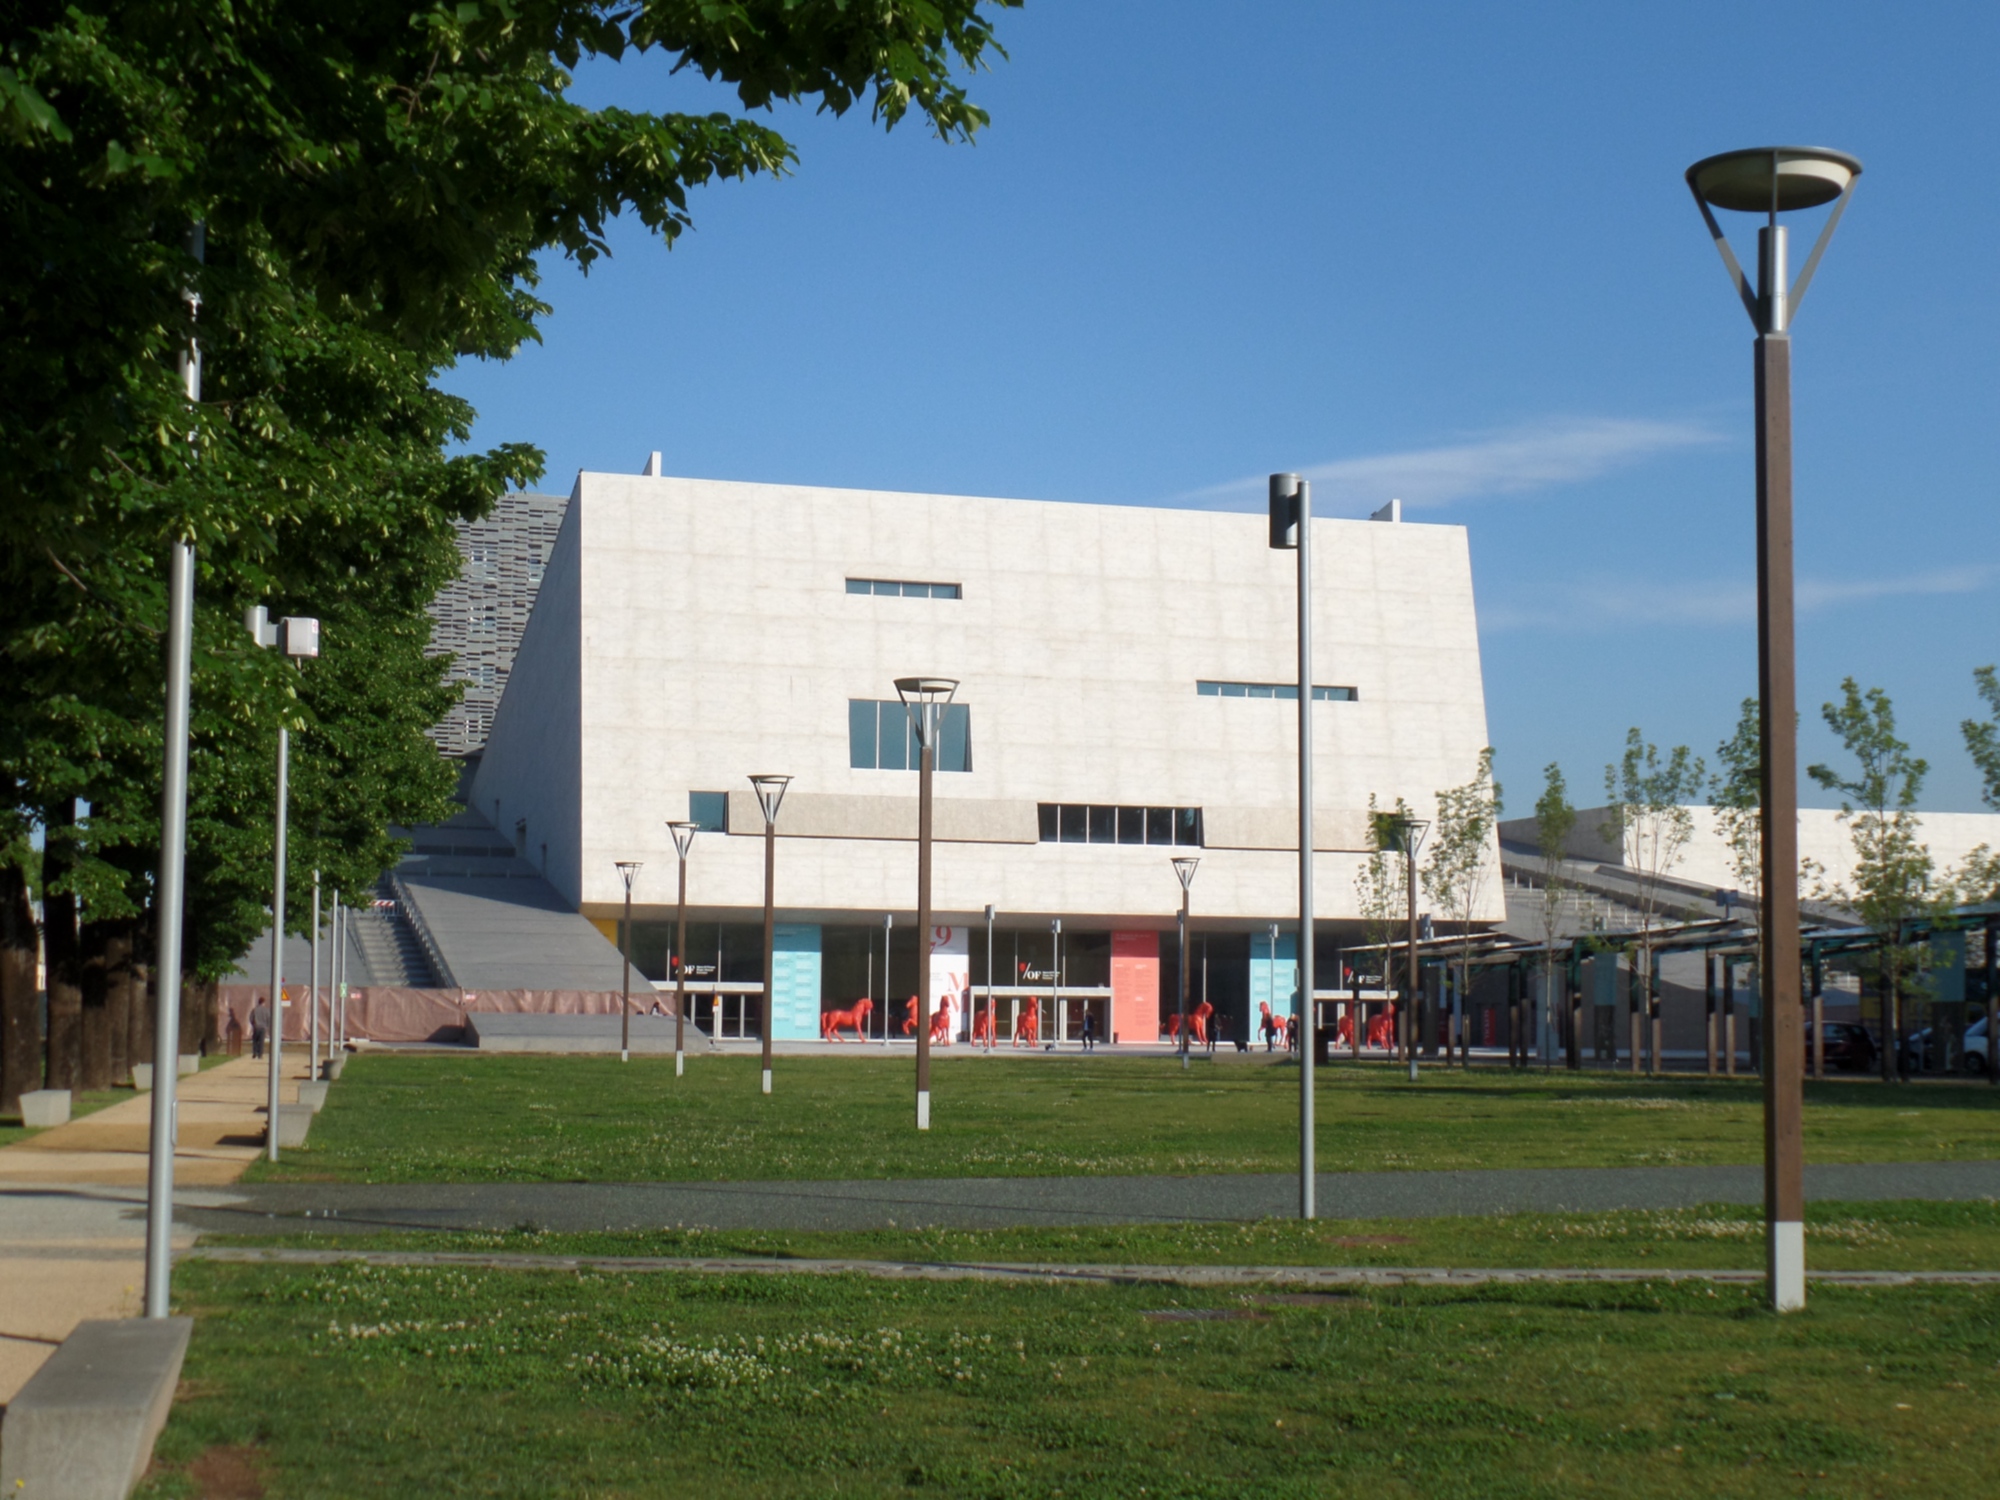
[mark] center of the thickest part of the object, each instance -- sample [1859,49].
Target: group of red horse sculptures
[1381,1030]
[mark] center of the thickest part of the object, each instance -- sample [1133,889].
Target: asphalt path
[1002,1202]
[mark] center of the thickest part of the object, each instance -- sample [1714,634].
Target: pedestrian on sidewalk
[260,1026]
[1089,1030]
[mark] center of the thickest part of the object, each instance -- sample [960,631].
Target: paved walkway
[1203,1276]
[73,1206]
[1000,1202]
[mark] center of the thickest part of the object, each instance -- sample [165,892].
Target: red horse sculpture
[1174,1027]
[941,1025]
[857,1019]
[1028,1028]
[982,1025]
[1382,1030]
[910,1017]
[1198,1022]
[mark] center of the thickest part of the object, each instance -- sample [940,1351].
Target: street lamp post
[627,869]
[298,638]
[1184,867]
[312,1051]
[1409,833]
[1771,180]
[924,700]
[1291,527]
[888,926]
[683,834]
[770,794]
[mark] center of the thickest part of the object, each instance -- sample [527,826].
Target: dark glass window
[1078,823]
[881,736]
[904,588]
[709,811]
[860,586]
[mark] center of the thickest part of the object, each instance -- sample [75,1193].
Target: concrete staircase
[389,947]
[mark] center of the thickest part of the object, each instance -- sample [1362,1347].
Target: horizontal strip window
[1083,823]
[881,737]
[895,587]
[1287,690]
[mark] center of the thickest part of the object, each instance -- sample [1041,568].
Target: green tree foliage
[1649,798]
[1737,793]
[1895,879]
[1982,737]
[1461,859]
[1555,821]
[376,181]
[1379,884]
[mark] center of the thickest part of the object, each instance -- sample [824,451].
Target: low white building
[1128,694]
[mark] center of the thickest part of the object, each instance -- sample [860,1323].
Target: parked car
[1849,1047]
[1920,1049]
[1977,1058]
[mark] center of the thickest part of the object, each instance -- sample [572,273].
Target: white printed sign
[951,972]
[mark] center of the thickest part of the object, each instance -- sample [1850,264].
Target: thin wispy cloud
[1511,462]
[1726,604]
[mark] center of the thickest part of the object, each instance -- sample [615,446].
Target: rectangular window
[1081,823]
[1289,691]
[904,588]
[881,737]
[709,811]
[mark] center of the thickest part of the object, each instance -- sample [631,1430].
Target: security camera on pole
[298,638]
[1771,180]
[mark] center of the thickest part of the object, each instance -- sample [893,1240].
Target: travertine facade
[691,632]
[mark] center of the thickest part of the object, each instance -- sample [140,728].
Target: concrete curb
[83,1427]
[1220,1276]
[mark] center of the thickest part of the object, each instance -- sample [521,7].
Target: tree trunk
[198,1004]
[94,1005]
[20,1008]
[60,949]
[119,968]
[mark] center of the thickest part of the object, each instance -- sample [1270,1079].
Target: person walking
[1089,1030]
[260,1026]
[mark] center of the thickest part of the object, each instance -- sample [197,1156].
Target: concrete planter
[293,1123]
[83,1426]
[312,1096]
[190,1063]
[42,1108]
[142,1076]
[332,1066]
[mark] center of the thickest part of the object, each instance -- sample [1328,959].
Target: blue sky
[1440,252]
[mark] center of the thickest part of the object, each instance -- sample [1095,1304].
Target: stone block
[42,1108]
[83,1427]
[142,1076]
[293,1123]
[190,1063]
[312,1096]
[330,1069]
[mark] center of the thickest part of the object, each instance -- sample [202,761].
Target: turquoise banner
[795,978]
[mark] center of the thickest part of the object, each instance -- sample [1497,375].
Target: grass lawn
[350,1380]
[1898,1236]
[444,1118]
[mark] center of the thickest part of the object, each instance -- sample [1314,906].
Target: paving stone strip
[1124,1275]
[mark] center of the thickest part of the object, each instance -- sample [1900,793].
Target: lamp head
[923,697]
[1184,867]
[627,868]
[1408,833]
[683,836]
[1773,179]
[770,792]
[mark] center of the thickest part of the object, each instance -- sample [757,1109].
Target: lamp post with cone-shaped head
[1184,867]
[770,793]
[925,700]
[1408,833]
[1769,181]
[683,834]
[627,868]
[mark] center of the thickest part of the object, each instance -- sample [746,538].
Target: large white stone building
[1123,700]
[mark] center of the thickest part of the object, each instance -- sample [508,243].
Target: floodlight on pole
[1291,529]
[770,794]
[627,869]
[1184,868]
[683,836]
[924,700]
[1773,180]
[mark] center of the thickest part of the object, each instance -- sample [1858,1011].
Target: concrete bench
[293,1123]
[41,1108]
[83,1427]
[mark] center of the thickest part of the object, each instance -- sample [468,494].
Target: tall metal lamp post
[683,841]
[1409,833]
[924,700]
[1184,867]
[298,638]
[992,1018]
[770,793]
[1771,180]
[1291,528]
[627,868]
